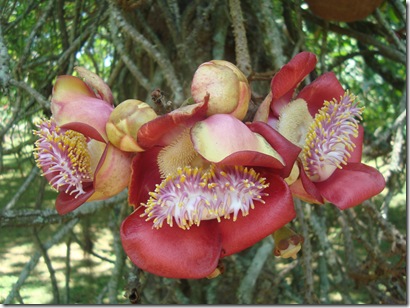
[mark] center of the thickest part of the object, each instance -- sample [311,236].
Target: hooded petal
[112,174]
[324,88]
[74,102]
[171,251]
[284,83]
[164,129]
[352,185]
[223,139]
[262,221]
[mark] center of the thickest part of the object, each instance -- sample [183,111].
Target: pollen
[193,195]
[63,157]
[329,139]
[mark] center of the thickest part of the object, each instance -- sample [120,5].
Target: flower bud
[287,243]
[124,123]
[228,89]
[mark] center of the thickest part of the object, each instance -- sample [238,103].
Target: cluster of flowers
[204,184]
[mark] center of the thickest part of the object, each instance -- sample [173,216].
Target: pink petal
[262,221]
[284,83]
[286,149]
[73,101]
[352,185]
[144,176]
[223,139]
[325,87]
[164,129]
[112,174]
[171,251]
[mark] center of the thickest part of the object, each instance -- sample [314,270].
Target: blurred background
[145,47]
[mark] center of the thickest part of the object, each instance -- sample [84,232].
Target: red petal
[284,83]
[170,251]
[325,87]
[164,129]
[66,203]
[308,192]
[352,185]
[356,155]
[286,149]
[262,221]
[85,129]
[144,176]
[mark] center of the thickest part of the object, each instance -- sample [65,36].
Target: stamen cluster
[63,156]
[329,139]
[193,195]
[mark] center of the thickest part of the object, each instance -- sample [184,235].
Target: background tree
[149,49]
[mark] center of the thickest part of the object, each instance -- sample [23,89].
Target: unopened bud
[228,89]
[124,123]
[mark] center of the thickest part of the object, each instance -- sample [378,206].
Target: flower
[73,151]
[206,186]
[323,120]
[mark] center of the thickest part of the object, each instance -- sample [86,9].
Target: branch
[28,217]
[243,58]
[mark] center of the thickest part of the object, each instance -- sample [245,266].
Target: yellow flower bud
[124,123]
[228,89]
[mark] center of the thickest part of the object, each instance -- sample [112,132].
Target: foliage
[137,46]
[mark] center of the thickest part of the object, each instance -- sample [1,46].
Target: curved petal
[112,174]
[262,221]
[144,176]
[222,138]
[164,129]
[325,87]
[66,203]
[73,101]
[352,185]
[94,81]
[262,113]
[286,149]
[284,83]
[171,251]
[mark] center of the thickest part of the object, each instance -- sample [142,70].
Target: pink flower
[323,120]
[205,188]
[73,149]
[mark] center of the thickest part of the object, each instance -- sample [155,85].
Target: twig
[68,270]
[310,296]
[34,259]
[32,175]
[4,62]
[245,290]
[36,95]
[161,59]
[54,285]
[243,58]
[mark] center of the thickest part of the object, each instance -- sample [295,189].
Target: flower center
[63,156]
[179,153]
[328,142]
[193,195]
